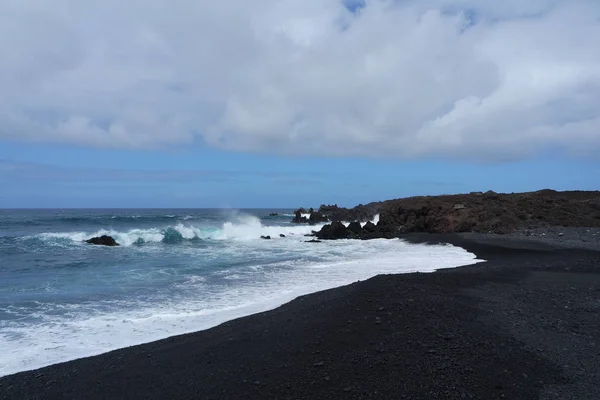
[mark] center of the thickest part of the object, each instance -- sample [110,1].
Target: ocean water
[176,271]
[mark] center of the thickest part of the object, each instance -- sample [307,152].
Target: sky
[288,103]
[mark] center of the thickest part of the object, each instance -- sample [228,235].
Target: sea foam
[92,328]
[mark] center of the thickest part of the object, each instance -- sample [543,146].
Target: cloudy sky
[183,103]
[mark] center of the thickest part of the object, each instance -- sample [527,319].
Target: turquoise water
[176,271]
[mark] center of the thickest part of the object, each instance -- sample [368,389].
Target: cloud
[466,79]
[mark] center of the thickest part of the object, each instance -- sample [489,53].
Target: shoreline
[486,331]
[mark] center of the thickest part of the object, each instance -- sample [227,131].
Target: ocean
[176,271]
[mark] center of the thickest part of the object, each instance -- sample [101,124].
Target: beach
[523,325]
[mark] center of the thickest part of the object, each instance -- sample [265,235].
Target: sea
[175,271]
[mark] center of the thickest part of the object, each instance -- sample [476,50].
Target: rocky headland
[481,212]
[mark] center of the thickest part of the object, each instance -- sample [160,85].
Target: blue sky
[284,103]
[60,176]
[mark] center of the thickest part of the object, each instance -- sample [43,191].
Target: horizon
[291,102]
[271,208]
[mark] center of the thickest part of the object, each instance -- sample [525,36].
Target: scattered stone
[266,237]
[281,235]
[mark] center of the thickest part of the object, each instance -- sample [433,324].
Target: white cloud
[455,78]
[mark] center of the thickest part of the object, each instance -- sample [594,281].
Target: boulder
[335,230]
[281,235]
[370,227]
[103,240]
[459,206]
[355,227]
[312,241]
[266,237]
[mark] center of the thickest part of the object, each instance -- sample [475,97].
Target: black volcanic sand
[524,325]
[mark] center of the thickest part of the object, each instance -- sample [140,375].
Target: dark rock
[370,227]
[355,227]
[299,218]
[312,241]
[103,240]
[281,235]
[335,230]
[266,237]
[317,217]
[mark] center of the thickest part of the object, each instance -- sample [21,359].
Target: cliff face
[475,212]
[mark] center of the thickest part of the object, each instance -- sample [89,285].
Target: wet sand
[524,325]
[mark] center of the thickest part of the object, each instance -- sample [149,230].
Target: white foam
[95,328]
[243,228]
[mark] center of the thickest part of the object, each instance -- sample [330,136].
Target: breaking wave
[244,228]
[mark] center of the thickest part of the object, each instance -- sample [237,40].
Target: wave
[244,228]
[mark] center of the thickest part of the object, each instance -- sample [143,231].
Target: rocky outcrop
[314,217]
[360,213]
[335,230]
[299,218]
[317,218]
[475,212]
[370,227]
[103,240]
[355,227]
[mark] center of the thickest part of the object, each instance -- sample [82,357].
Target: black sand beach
[524,325]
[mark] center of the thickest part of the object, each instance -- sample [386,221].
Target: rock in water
[317,217]
[281,235]
[266,237]
[103,240]
[336,230]
[370,227]
[299,218]
[355,227]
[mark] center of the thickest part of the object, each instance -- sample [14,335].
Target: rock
[266,237]
[299,218]
[317,217]
[459,206]
[281,235]
[370,227]
[103,240]
[335,230]
[355,227]
[312,241]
